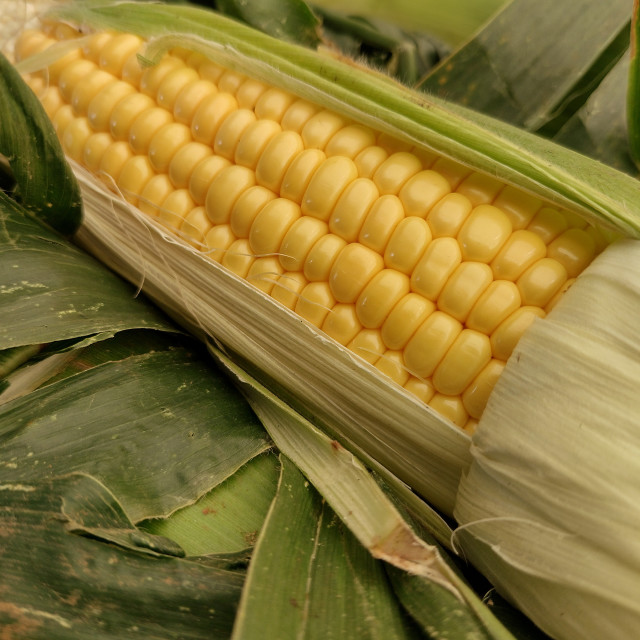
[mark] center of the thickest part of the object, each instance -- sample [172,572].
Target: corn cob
[429,271]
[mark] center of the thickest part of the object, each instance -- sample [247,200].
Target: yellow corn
[425,269]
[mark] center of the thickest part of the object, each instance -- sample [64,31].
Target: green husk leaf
[310,578]
[228,518]
[524,66]
[633,88]
[525,160]
[72,294]
[290,20]
[160,429]
[63,577]
[46,185]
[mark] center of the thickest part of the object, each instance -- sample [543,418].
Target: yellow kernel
[320,128]
[134,176]
[430,343]
[94,149]
[470,426]
[62,118]
[273,104]
[404,319]
[254,141]
[483,233]
[463,289]
[520,251]
[499,300]
[208,69]
[195,227]
[249,92]
[115,53]
[519,206]
[132,70]
[315,303]
[145,126]
[574,249]
[51,100]
[369,160]
[271,225]
[288,287]
[190,98]
[203,175]
[367,345]
[64,31]
[101,107]
[238,257]
[391,364]
[210,114]
[392,174]
[154,193]
[165,143]
[185,160]
[75,72]
[299,240]
[426,157]
[231,130]
[509,332]
[350,141]
[125,112]
[30,42]
[421,192]
[326,185]
[74,137]
[55,69]
[297,115]
[392,144]
[476,395]
[448,215]
[480,188]
[152,76]
[113,160]
[352,208]
[438,262]
[380,296]
[230,81]
[321,258]
[173,83]
[574,219]
[264,273]
[93,45]
[408,242]
[276,159]
[556,298]
[225,189]
[175,208]
[466,358]
[453,171]
[299,173]
[217,242]
[380,223]
[450,407]
[541,281]
[247,207]
[342,323]
[88,89]
[422,389]
[353,269]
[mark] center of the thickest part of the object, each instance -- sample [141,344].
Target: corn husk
[549,507]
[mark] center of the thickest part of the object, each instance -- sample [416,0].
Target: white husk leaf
[550,508]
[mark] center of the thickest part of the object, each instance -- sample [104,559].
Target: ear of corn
[353,203]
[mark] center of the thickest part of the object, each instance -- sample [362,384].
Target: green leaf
[160,430]
[633,88]
[290,20]
[45,182]
[63,577]
[310,578]
[50,290]
[229,517]
[524,67]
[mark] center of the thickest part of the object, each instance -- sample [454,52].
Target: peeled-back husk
[549,509]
